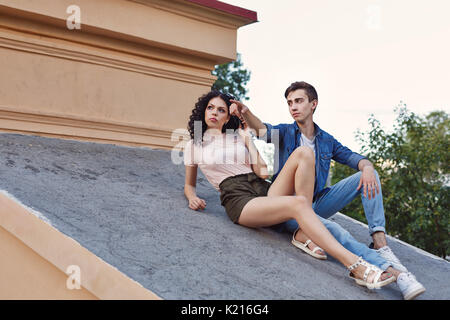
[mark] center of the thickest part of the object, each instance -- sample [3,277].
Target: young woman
[232,164]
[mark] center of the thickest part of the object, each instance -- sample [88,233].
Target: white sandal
[376,283]
[304,247]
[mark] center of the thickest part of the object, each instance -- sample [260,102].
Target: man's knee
[356,177]
[352,179]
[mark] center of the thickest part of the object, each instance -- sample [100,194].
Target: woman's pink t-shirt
[218,156]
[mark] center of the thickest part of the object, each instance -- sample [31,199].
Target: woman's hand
[196,203]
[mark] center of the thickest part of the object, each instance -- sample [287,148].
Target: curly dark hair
[198,114]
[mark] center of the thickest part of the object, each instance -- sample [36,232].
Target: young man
[302,101]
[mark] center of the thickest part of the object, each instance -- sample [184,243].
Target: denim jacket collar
[317,130]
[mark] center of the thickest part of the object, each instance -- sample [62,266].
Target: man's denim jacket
[327,148]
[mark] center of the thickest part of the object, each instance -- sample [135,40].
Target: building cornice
[210,11]
[157,24]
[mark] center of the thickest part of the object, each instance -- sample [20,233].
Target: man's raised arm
[240,110]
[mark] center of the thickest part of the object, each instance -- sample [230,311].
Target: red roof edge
[222,6]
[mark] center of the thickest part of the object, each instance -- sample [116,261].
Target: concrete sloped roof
[126,205]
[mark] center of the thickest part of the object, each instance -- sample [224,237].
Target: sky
[362,56]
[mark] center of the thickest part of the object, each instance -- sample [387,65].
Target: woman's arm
[258,164]
[190,182]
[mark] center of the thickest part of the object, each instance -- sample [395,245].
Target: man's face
[300,107]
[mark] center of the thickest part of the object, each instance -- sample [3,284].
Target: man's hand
[197,203]
[237,108]
[241,111]
[369,182]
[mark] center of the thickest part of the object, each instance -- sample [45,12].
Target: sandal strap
[295,233]
[317,249]
[366,272]
[378,274]
[369,268]
[356,264]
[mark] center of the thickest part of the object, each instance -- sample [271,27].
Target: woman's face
[216,113]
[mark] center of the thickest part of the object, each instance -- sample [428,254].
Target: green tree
[232,78]
[413,164]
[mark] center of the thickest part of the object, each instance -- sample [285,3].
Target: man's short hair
[309,89]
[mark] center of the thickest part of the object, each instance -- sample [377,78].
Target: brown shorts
[236,191]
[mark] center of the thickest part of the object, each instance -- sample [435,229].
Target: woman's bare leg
[297,176]
[267,211]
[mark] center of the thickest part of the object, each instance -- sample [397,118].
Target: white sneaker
[409,286]
[390,257]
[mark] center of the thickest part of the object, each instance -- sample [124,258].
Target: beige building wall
[130,75]
[24,274]
[39,262]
